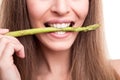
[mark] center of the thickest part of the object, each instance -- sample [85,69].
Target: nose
[60,7]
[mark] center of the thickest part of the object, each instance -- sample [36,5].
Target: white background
[112,27]
[111,10]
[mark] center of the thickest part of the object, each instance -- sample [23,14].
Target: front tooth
[59,25]
[63,25]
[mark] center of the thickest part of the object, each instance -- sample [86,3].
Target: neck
[56,62]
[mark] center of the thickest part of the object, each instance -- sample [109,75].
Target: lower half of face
[59,14]
[57,41]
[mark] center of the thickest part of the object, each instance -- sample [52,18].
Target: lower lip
[60,36]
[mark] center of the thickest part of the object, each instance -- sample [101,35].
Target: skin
[116,65]
[9,45]
[56,48]
[57,11]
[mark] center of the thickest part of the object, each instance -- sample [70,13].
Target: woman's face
[59,14]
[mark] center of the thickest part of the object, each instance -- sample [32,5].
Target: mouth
[59,25]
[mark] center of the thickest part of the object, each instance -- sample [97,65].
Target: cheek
[36,10]
[81,8]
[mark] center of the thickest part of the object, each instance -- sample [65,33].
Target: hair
[88,61]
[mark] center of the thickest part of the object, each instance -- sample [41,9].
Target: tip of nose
[60,9]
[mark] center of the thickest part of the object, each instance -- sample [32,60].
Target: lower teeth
[60,32]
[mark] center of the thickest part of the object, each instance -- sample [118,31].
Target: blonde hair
[88,60]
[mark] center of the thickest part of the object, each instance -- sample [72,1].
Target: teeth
[60,33]
[58,25]
[63,25]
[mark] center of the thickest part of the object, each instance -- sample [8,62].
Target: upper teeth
[58,25]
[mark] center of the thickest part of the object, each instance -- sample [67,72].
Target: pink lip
[60,36]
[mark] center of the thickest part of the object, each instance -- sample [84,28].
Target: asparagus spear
[51,29]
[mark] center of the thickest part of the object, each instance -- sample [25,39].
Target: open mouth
[59,25]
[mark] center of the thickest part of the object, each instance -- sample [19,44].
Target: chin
[60,47]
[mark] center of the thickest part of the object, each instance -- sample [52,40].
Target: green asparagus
[51,29]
